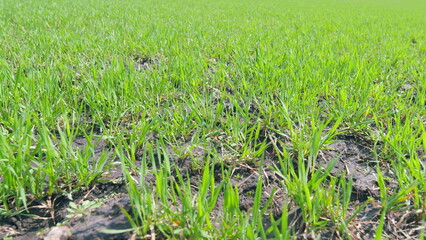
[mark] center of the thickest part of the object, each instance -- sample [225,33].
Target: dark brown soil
[355,159]
[107,216]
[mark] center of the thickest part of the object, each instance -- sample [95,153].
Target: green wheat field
[217,119]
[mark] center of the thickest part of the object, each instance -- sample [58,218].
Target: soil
[355,159]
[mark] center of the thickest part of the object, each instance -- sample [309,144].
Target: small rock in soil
[59,233]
